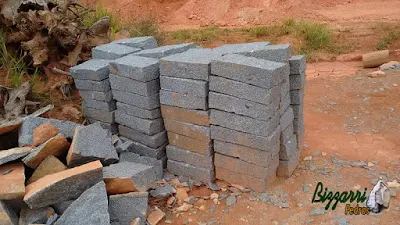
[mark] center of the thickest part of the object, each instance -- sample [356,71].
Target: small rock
[163,192]
[171,201]
[388,65]
[264,197]
[375,162]
[212,208]
[48,166]
[306,188]
[284,205]
[308,158]
[214,196]
[317,212]
[234,190]
[185,207]
[213,187]
[393,184]
[357,187]
[308,221]
[342,220]
[358,164]
[299,204]
[395,85]
[191,200]
[223,196]
[324,154]
[231,200]
[378,73]
[12,184]
[241,188]
[155,216]
[370,164]
[181,195]
[136,221]
[43,133]
[311,167]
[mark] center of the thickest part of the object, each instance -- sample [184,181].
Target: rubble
[13,154]
[12,181]
[43,133]
[48,166]
[125,208]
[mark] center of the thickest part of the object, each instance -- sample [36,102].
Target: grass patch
[386,41]
[146,27]
[204,35]
[99,12]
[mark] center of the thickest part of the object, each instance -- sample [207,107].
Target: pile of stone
[66,173]
[184,102]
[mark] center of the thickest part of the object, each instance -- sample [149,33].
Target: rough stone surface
[146,126]
[243,90]
[285,103]
[298,125]
[249,140]
[97,95]
[250,70]
[94,69]
[298,64]
[56,146]
[138,112]
[136,158]
[163,192]
[26,130]
[92,85]
[196,88]
[62,186]
[102,115]
[35,216]
[287,132]
[192,64]
[112,51]
[187,101]
[60,207]
[48,166]
[12,181]
[277,53]
[90,208]
[285,87]
[203,147]
[196,117]
[297,97]
[286,168]
[13,154]
[99,105]
[143,150]
[122,83]
[153,141]
[188,129]
[126,208]
[7,215]
[242,107]
[91,143]
[43,133]
[135,67]
[298,111]
[111,127]
[240,48]
[288,149]
[244,123]
[149,103]
[184,156]
[297,81]
[166,50]
[287,118]
[138,42]
[193,172]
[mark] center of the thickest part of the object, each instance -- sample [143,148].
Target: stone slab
[153,141]
[285,103]
[149,103]
[297,97]
[240,48]
[188,157]
[122,83]
[102,115]
[138,112]
[166,50]
[99,105]
[143,150]
[94,69]
[287,133]
[135,67]
[138,42]
[12,181]
[146,126]
[14,154]
[298,111]
[297,81]
[285,87]
[35,216]
[203,147]
[196,117]
[277,53]
[126,208]
[187,101]
[112,51]
[136,158]
[96,95]
[7,214]
[197,88]
[288,148]
[112,127]
[188,129]
[186,170]
[286,168]
[287,118]
[298,64]
[91,85]
[49,165]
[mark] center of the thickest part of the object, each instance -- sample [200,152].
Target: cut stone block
[94,69]
[250,70]
[164,51]
[298,64]
[149,103]
[240,48]
[90,208]
[298,125]
[188,129]
[91,143]
[13,154]
[66,128]
[100,105]
[112,51]
[97,95]
[136,158]
[196,117]
[297,97]
[137,68]
[7,215]
[146,126]
[192,64]
[287,118]
[121,83]
[285,87]
[243,107]
[112,127]
[249,140]
[244,91]
[43,133]
[277,53]
[92,85]
[56,146]
[153,141]
[286,168]
[138,112]
[300,140]
[48,166]
[61,207]
[194,159]
[251,155]
[12,181]
[196,88]
[126,208]
[138,42]
[298,111]
[193,172]
[243,123]
[102,115]
[297,81]
[62,186]
[35,216]
[288,148]
[285,103]
[143,150]
[287,133]
[203,147]
[126,177]
[187,101]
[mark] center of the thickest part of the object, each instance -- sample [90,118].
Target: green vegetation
[145,27]
[205,35]
[386,41]
[99,12]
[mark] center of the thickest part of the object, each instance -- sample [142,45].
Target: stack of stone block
[184,84]
[92,80]
[245,115]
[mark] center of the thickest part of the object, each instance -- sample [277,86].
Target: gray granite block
[96,95]
[298,125]
[112,51]
[297,97]
[136,158]
[100,105]
[286,168]
[249,140]
[298,111]
[112,127]
[92,85]
[139,112]
[285,87]
[287,117]
[240,48]
[243,90]
[152,141]
[284,104]
[243,123]
[193,172]
[287,133]
[164,51]
[187,129]
[61,207]
[101,115]
[126,208]
[121,83]
[138,42]
[143,150]
[243,107]
[67,128]
[187,101]
[297,81]
[184,86]
[136,67]
[188,157]
[288,148]
[146,126]
[250,70]
[28,216]
[149,103]
[8,215]
[192,64]
[298,64]
[94,69]
[276,53]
